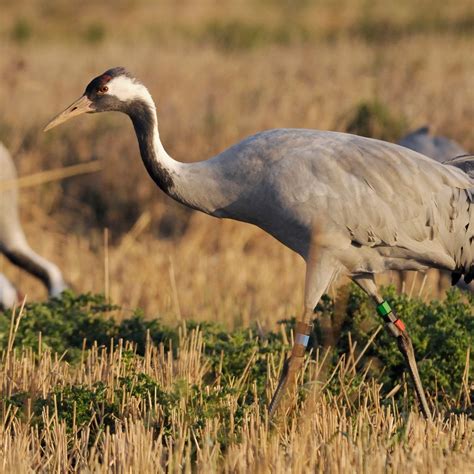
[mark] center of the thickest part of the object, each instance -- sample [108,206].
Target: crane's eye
[103,90]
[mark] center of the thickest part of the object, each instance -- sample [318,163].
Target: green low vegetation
[374,119]
[237,362]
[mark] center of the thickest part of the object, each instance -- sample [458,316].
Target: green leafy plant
[374,120]
[95,33]
[21,31]
[442,333]
[237,361]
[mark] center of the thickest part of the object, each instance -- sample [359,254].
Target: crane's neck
[181,181]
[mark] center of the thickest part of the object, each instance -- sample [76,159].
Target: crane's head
[114,90]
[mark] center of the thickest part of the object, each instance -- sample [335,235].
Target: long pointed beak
[81,106]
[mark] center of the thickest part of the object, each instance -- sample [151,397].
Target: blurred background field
[219,71]
[189,398]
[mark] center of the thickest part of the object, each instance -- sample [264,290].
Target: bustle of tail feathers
[463,162]
[469,275]
[468,248]
[470,171]
[466,269]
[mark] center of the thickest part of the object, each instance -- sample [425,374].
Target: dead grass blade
[49,176]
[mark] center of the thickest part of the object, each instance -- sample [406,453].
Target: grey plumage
[437,147]
[463,162]
[446,151]
[405,211]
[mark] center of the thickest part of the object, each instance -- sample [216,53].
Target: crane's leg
[398,330]
[318,278]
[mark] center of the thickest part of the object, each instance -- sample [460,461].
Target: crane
[13,242]
[437,147]
[346,204]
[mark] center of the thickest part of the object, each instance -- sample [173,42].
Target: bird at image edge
[13,242]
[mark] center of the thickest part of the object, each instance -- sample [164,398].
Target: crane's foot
[406,347]
[398,330]
[292,366]
[288,376]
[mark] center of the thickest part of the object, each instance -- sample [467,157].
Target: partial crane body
[443,150]
[8,293]
[437,147]
[463,162]
[347,204]
[13,243]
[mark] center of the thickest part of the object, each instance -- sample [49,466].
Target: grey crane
[437,147]
[13,243]
[345,203]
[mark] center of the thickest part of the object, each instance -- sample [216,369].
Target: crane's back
[367,193]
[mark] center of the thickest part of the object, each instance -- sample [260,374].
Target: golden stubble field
[312,66]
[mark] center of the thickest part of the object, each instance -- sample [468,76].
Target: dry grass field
[203,429]
[219,70]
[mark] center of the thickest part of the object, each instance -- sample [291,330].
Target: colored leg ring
[385,310]
[302,332]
